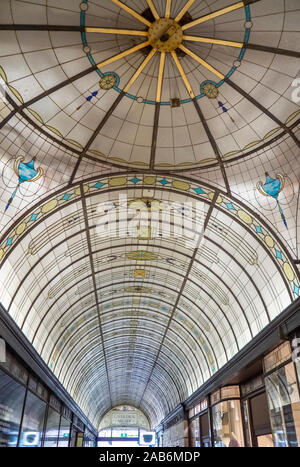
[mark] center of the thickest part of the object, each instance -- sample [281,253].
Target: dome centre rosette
[165,35]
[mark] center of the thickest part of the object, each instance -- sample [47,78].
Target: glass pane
[64,433]
[284,406]
[33,421]
[195,433]
[52,428]
[11,404]
[227,424]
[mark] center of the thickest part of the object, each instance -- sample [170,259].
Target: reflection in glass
[205,431]
[284,406]
[247,423]
[227,424]
[33,421]
[52,429]
[11,403]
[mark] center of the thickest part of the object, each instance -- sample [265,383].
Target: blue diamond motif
[278,254]
[66,197]
[33,217]
[199,191]
[296,289]
[258,229]
[98,185]
[164,182]
[135,180]
[9,241]
[230,206]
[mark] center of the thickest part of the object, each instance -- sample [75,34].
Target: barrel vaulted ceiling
[162,101]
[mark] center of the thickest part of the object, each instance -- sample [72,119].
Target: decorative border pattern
[231,207]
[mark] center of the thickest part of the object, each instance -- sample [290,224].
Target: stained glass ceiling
[159,100]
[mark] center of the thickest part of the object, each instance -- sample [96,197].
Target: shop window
[284,405]
[12,396]
[33,422]
[64,433]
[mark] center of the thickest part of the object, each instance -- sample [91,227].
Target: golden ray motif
[184,10]
[183,75]
[203,62]
[153,9]
[209,40]
[139,70]
[127,32]
[160,76]
[168,8]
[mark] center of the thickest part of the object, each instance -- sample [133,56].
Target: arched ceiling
[145,321]
[141,320]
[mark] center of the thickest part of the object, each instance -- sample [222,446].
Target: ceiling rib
[127,32]
[132,12]
[40,27]
[213,144]
[154,136]
[213,15]
[201,61]
[46,93]
[184,10]
[273,50]
[200,236]
[88,238]
[95,134]
[153,9]
[168,8]
[123,54]
[210,40]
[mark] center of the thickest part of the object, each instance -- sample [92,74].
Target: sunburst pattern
[166,36]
